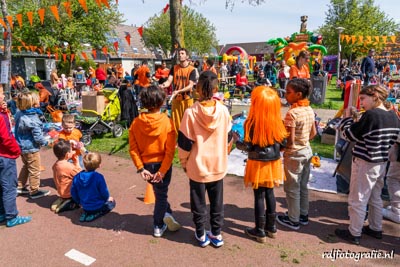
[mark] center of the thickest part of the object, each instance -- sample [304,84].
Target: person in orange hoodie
[152,141]
[202,151]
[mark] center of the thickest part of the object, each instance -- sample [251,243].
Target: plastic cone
[149,197]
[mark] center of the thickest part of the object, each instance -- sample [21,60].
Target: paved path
[124,237]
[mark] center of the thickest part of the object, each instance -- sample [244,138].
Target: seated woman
[242,82]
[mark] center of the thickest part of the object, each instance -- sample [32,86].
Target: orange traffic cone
[149,197]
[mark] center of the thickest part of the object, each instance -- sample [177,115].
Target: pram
[101,123]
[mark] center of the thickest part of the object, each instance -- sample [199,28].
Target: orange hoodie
[152,138]
[203,142]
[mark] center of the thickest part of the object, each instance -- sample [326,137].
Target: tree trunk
[7,48]
[176,24]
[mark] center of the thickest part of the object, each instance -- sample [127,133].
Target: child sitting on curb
[63,173]
[89,189]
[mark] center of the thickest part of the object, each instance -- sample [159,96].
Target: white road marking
[80,257]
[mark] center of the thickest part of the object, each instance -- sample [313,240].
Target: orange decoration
[67,6]
[84,56]
[3,23]
[94,52]
[56,56]
[64,57]
[19,19]
[72,57]
[19,48]
[5,34]
[40,50]
[393,38]
[384,39]
[41,15]
[54,10]
[30,17]
[10,21]
[116,45]
[105,2]
[140,31]
[98,2]
[48,53]
[128,38]
[83,4]
[104,49]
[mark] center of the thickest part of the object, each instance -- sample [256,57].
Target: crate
[93,102]
[328,139]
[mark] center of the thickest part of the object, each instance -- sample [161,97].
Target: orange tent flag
[3,23]
[30,17]
[105,2]
[128,38]
[67,6]
[94,52]
[140,31]
[84,56]
[56,56]
[116,45]
[360,39]
[353,39]
[19,19]
[384,39]
[376,39]
[10,21]
[54,10]
[72,57]
[64,57]
[104,49]
[41,15]
[83,4]
[98,2]
[48,53]
[393,38]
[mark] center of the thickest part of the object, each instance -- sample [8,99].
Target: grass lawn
[106,143]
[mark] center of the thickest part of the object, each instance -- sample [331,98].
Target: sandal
[18,220]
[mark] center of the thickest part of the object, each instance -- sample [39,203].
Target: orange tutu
[263,173]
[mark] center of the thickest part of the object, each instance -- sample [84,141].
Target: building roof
[250,48]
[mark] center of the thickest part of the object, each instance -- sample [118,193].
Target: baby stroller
[102,123]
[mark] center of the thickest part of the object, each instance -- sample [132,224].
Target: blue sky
[246,23]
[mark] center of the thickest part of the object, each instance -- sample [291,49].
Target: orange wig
[264,119]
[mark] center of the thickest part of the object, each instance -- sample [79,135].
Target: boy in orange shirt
[152,142]
[72,134]
[63,173]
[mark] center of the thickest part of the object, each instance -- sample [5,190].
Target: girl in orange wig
[264,137]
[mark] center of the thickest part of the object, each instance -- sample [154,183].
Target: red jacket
[100,74]
[241,79]
[8,145]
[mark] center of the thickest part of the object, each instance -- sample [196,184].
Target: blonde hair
[264,125]
[26,100]
[68,119]
[91,161]
[379,92]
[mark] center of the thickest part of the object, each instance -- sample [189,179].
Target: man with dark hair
[368,66]
[183,78]
[142,77]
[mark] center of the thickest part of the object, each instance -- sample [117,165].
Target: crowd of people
[195,128]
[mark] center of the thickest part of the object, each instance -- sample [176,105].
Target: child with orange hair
[265,135]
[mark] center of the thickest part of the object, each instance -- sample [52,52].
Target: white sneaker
[390,215]
[170,221]
[158,232]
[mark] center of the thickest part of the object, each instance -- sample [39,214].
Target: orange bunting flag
[84,56]
[30,17]
[353,39]
[116,45]
[165,9]
[376,39]
[348,38]
[72,57]
[10,21]
[360,39]
[105,2]
[128,38]
[41,15]
[54,10]
[48,53]
[140,31]
[384,39]
[3,23]
[369,39]
[393,38]
[19,48]
[67,6]
[342,37]
[83,4]
[104,49]
[94,52]
[40,50]
[98,2]
[64,57]
[19,19]
[56,56]
[5,34]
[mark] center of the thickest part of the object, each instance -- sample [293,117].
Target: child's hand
[146,175]
[73,143]
[158,177]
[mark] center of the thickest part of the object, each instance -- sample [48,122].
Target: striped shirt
[302,119]
[373,134]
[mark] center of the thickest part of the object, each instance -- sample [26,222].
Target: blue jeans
[8,187]
[161,193]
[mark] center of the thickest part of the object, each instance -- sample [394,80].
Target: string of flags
[365,40]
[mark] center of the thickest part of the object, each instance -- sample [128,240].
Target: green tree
[70,34]
[198,31]
[358,17]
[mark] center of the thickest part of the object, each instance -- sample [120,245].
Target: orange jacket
[75,135]
[143,76]
[63,173]
[303,72]
[152,138]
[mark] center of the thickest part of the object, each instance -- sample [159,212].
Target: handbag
[56,115]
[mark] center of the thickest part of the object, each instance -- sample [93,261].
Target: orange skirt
[263,173]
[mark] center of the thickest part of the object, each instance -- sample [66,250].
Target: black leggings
[261,194]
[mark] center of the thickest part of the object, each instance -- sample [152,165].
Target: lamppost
[340,30]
